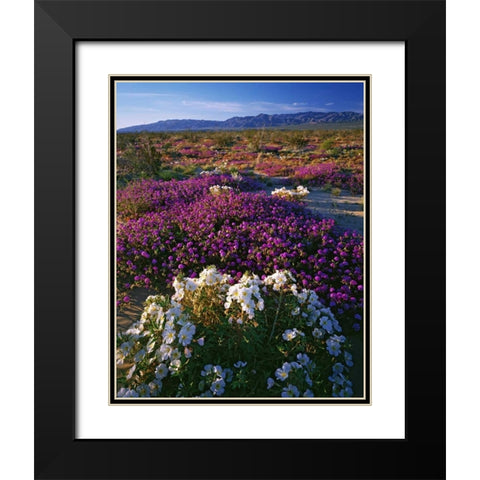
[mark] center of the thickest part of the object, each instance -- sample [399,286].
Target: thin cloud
[146,95]
[330,103]
[141,109]
[297,107]
[217,106]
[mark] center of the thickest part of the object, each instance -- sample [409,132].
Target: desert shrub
[124,140]
[185,170]
[169,174]
[224,139]
[298,140]
[221,337]
[192,136]
[335,152]
[149,159]
[327,144]
[255,139]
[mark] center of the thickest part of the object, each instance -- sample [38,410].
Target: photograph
[239,215]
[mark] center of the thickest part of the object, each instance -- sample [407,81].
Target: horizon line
[244,116]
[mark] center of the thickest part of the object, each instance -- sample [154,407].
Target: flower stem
[276,316]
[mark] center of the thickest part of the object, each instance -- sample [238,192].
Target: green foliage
[125,140]
[149,158]
[327,144]
[255,139]
[192,136]
[169,174]
[224,139]
[298,140]
[335,152]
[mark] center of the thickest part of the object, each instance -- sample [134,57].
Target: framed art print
[237,219]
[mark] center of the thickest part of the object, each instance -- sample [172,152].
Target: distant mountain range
[285,120]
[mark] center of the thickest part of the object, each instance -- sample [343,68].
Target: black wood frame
[58,26]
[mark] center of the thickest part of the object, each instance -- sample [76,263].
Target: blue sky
[148,102]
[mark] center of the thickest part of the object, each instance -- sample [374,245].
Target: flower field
[318,157]
[252,293]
